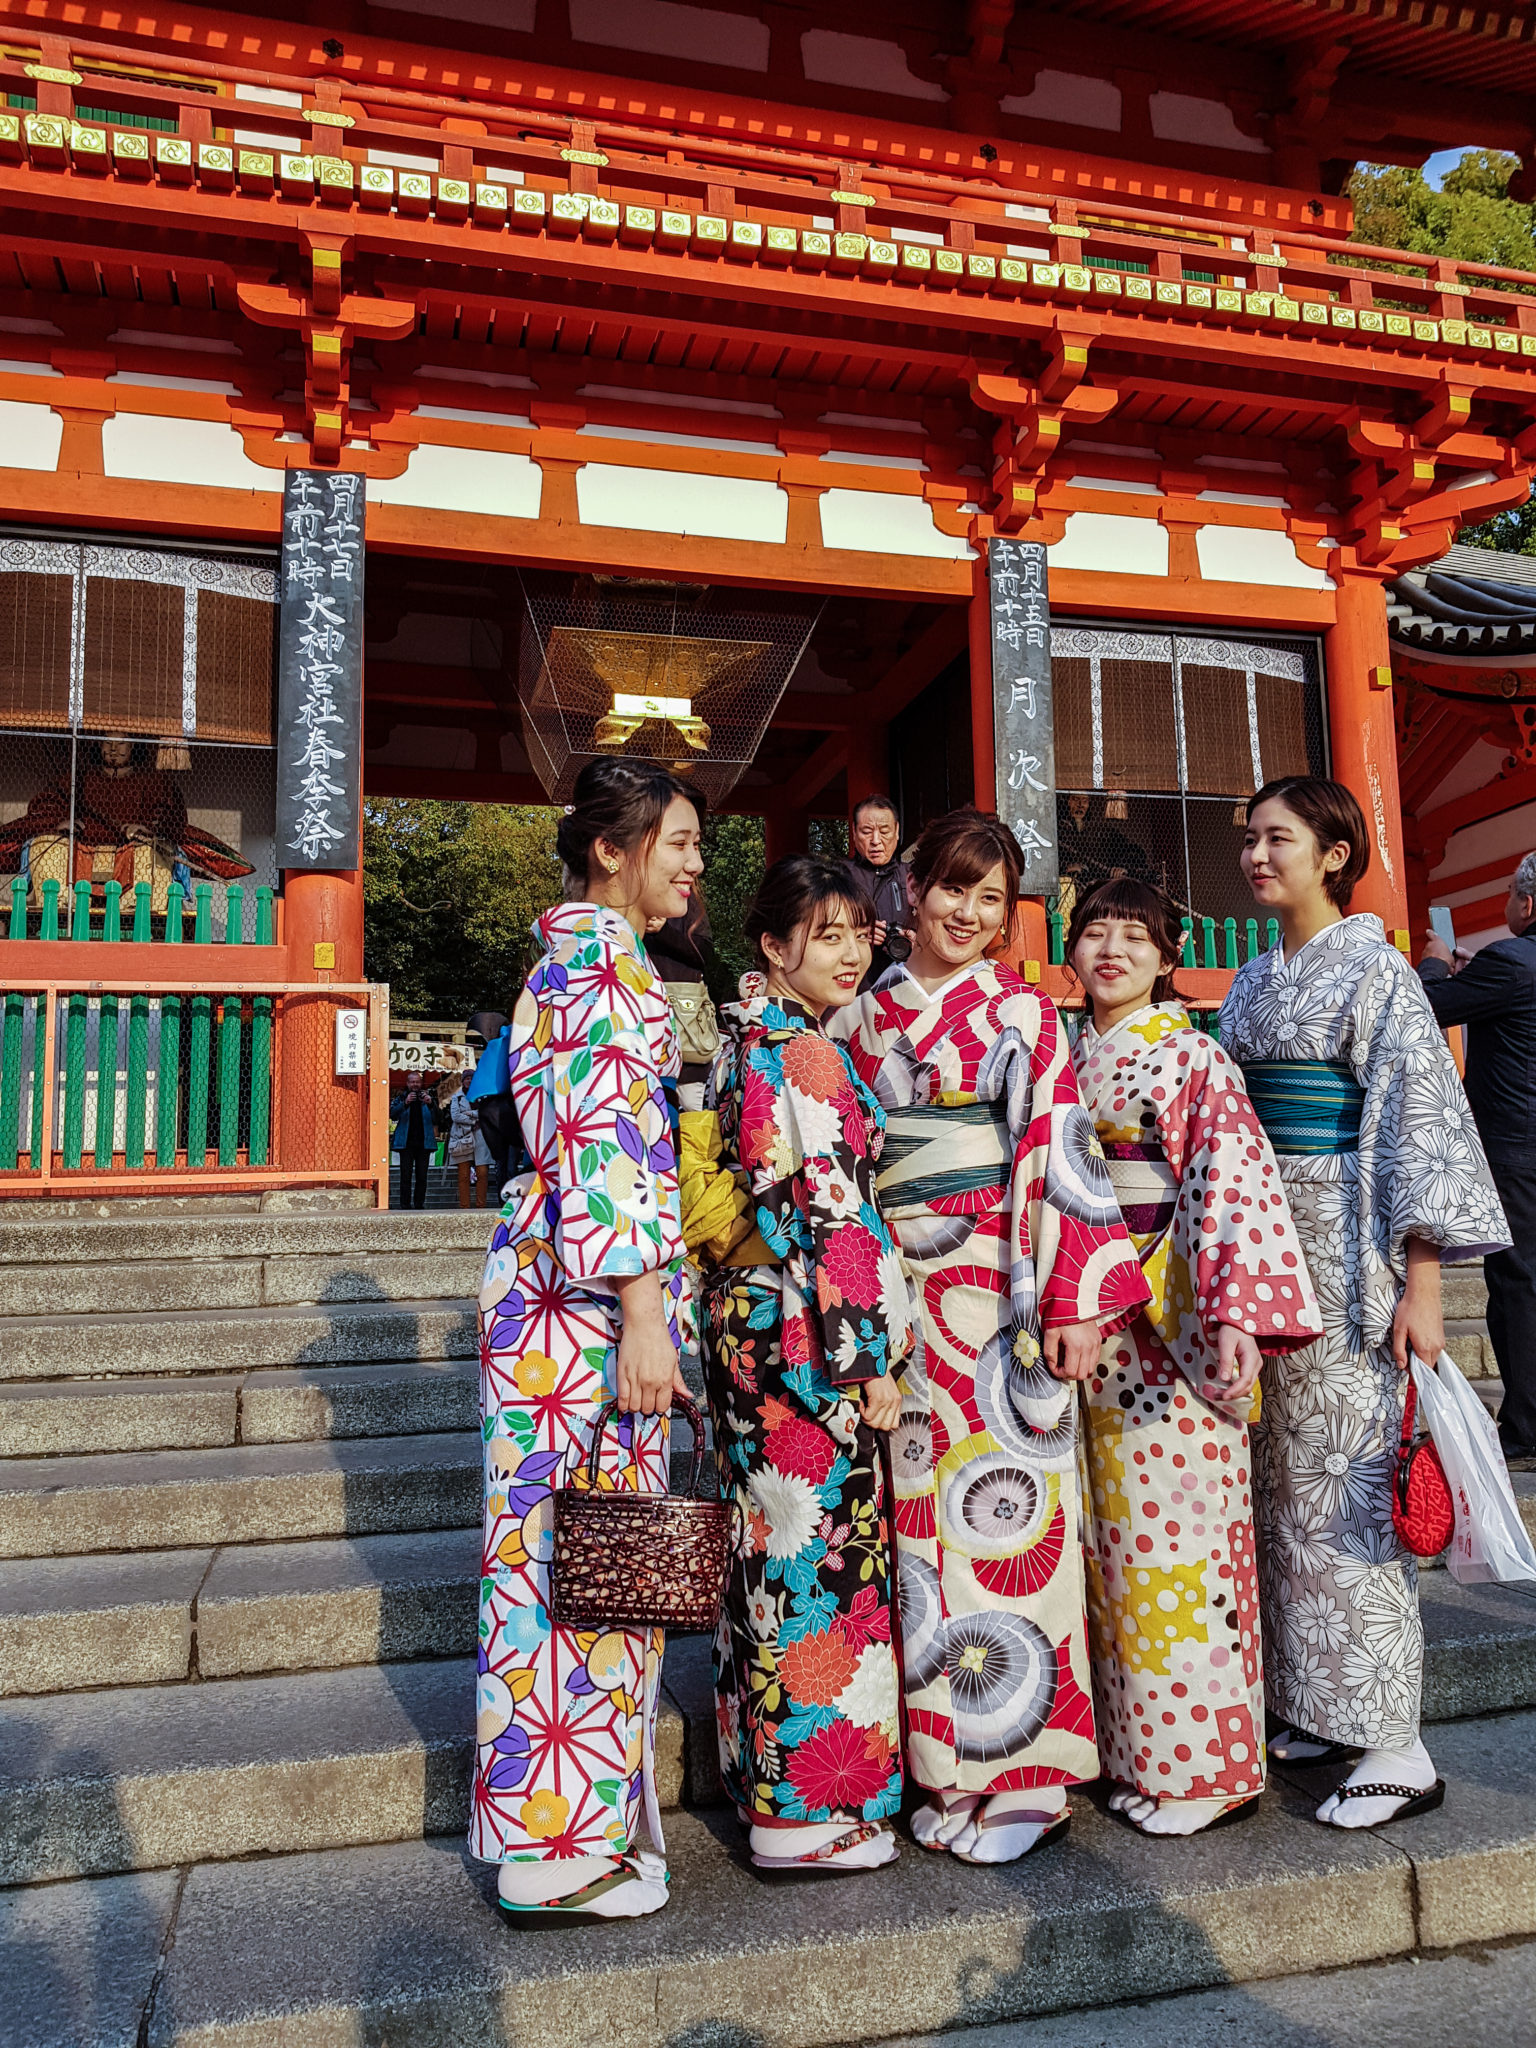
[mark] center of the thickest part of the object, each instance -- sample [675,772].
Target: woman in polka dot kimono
[1172,1587]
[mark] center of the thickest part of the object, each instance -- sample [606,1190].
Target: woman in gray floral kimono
[1385,1177]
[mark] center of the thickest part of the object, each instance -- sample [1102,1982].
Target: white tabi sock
[1379,1767]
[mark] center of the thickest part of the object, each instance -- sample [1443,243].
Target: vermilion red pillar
[322,1121]
[1357,656]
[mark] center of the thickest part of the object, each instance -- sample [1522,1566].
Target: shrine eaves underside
[804,302]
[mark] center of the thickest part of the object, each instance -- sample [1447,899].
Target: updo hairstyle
[962,847]
[1134,903]
[795,891]
[621,801]
[1330,813]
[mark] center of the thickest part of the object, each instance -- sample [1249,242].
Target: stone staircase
[239,1497]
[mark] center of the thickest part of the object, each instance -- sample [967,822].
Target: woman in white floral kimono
[1385,1176]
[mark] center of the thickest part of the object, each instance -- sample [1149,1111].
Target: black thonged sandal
[1416,1800]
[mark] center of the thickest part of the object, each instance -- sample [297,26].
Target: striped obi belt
[1307,1107]
[936,1150]
[1146,1186]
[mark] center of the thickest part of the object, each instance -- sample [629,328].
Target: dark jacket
[1494,995]
[888,886]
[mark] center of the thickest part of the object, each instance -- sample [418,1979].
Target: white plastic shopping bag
[1490,1544]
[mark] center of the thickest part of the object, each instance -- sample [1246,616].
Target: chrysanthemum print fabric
[1343,1645]
[566,1718]
[805,1669]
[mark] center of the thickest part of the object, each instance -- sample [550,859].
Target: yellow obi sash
[955,1146]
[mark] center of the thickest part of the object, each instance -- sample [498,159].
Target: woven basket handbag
[1423,1512]
[639,1560]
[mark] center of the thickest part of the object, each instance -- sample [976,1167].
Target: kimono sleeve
[1069,1248]
[618,1200]
[1231,1253]
[805,1138]
[1422,1166]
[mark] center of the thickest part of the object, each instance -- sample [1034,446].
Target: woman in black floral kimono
[802,1332]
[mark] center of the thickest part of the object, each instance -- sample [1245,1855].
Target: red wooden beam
[1508,794]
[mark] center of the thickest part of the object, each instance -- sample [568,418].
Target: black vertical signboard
[1021,695]
[320,672]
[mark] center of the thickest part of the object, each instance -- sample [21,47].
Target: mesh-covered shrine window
[1160,739]
[138,695]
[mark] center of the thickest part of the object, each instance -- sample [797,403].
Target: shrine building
[418,402]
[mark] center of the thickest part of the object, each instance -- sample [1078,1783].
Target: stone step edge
[1052,1940]
[378,1782]
[212,1318]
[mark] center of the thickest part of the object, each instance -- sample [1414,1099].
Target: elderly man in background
[1494,995]
[874,854]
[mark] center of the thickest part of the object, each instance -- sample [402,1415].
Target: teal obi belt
[1307,1106]
[934,1150]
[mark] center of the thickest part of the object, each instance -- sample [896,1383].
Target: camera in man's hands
[898,943]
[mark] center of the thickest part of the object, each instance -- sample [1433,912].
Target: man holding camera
[874,842]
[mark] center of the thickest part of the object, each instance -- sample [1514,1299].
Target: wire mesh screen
[1160,740]
[137,691]
[664,672]
[193,823]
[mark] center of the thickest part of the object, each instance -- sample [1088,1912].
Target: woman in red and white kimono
[1173,1597]
[996,1189]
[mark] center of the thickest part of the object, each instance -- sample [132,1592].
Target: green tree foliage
[734,853]
[450,890]
[1471,217]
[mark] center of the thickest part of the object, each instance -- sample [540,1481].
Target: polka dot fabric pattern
[1172,1586]
[985,1461]
[564,1760]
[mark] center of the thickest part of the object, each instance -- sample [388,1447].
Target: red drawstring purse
[1423,1512]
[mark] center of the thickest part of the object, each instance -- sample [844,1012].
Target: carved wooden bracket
[1031,419]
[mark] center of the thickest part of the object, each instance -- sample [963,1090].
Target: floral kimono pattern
[1343,1644]
[1173,1597]
[997,1191]
[805,1666]
[565,1717]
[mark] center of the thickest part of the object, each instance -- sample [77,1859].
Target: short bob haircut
[1330,813]
[621,801]
[1134,903]
[796,891]
[962,847]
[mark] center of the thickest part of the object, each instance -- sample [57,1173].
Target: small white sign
[430,1056]
[351,1041]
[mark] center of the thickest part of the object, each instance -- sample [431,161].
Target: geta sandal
[824,1859]
[1059,1823]
[1416,1801]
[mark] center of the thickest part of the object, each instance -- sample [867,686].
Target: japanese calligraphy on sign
[320,671]
[1021,698]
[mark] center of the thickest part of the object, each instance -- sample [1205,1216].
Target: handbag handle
[695,1421]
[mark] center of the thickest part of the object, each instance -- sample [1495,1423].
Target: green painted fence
[1201,946]
[139,1078]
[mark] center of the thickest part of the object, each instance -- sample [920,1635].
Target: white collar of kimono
[1177,1015]
[1343,933]
[937,995]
